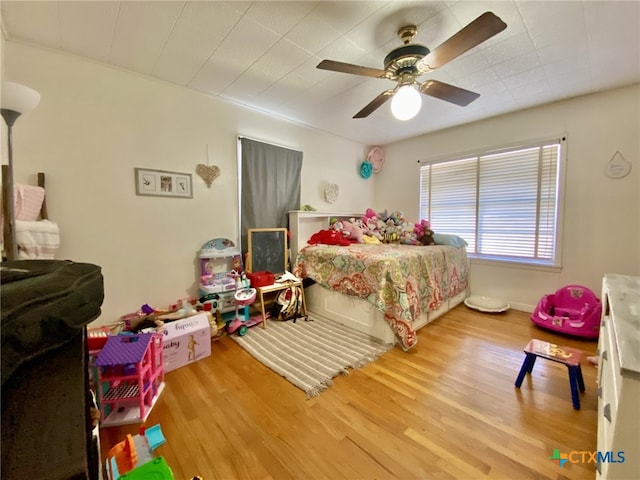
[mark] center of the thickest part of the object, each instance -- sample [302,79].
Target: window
[505,203]
[268,185]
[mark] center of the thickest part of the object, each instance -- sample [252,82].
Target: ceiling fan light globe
[406,103]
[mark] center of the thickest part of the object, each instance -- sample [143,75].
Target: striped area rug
[310,353]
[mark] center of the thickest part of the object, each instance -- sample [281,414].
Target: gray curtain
[270,186]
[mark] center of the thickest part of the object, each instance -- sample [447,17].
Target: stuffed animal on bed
[349,230]
[393,228]
[328,237]
[370,226]
[424,233]
[370,213]
[427,238]
[367,234]
[383,215]
[353,231]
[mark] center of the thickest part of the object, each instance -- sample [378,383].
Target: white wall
[95,124]
[601,216]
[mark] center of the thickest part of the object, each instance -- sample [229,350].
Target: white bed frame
[361,315]
[352,312]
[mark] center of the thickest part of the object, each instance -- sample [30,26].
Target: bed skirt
[361,315]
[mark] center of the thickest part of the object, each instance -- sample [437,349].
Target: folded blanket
[28,201]
[37,240]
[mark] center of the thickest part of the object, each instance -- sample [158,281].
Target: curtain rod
[270,143]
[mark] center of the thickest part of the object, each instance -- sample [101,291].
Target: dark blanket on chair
[45,307]
[45,303]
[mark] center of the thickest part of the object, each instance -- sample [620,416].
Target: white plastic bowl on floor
[487,304]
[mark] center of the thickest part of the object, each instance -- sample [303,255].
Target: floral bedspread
[402,281]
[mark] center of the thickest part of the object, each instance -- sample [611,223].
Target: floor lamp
[15,99]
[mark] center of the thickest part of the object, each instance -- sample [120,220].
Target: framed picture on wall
[161,183]
[267,250]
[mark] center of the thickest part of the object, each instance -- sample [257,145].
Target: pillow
[448,239]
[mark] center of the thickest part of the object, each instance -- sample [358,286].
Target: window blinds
[504,204]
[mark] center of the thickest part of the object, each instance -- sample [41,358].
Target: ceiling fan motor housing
[406,63]
[402,59]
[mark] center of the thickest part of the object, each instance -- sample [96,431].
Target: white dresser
[619,379]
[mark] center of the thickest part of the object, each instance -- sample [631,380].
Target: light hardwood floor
[445,409]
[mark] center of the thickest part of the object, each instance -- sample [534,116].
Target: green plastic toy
[157,469]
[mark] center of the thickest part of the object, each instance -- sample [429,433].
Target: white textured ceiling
[263,55]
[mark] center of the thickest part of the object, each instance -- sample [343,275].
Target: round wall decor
[366,169]
[618,166]
[331,192]
[376,157]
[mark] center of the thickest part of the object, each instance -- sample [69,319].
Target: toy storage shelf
[131,373]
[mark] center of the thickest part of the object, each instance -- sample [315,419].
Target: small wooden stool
[565,355]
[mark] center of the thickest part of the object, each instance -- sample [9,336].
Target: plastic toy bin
[261,279]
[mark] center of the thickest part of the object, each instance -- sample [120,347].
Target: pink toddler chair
[572,309]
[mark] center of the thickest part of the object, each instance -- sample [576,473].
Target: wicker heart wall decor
[208,173]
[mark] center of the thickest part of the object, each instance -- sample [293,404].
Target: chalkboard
[267,249]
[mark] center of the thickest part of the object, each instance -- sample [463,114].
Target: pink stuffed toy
[421,227]
[370,213]
[424,233]
[353,231]
[349,230]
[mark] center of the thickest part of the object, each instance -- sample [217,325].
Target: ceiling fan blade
[448,93]
[350,68]
[481,29]
[375,104]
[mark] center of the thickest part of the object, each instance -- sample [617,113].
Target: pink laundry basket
[572,309]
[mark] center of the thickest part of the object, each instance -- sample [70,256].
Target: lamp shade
[18,98]
[406,103]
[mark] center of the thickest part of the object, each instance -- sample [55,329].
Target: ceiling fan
[406,63]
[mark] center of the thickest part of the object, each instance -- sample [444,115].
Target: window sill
[519,265]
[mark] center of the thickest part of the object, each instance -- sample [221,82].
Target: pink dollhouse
[131,377]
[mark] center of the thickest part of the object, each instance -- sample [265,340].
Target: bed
[388,290]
